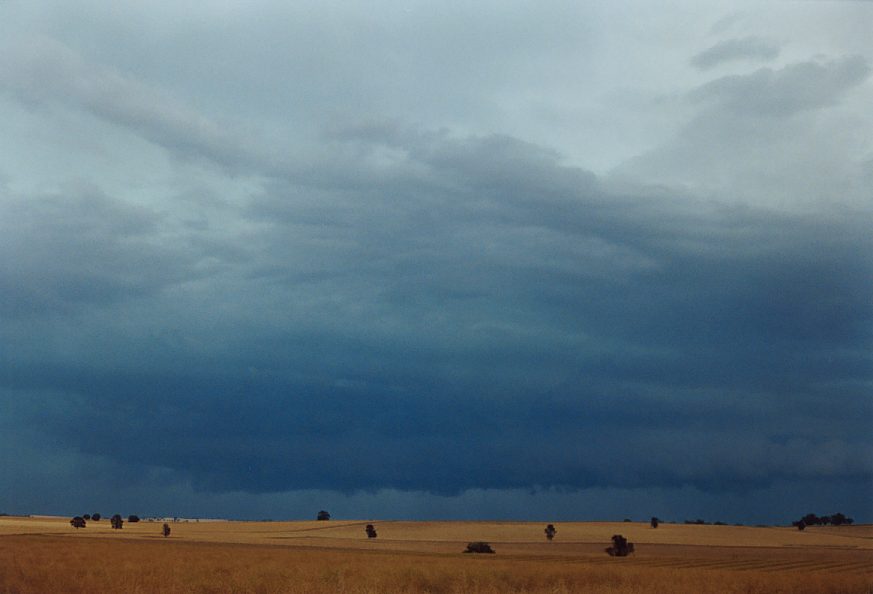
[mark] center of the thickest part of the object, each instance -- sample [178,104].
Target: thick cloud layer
[401,306]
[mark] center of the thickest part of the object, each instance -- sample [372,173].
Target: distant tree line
[837,519]
[698,521]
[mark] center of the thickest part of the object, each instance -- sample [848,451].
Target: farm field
[45,554]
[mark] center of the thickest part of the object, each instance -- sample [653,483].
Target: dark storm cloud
[470,313]
[729,50]
[277,279]
[79,248]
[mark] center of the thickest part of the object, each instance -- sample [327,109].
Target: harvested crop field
[48,555]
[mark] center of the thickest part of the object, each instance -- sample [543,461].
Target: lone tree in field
[133,518]
[479,547]
[655,521]
[800,524]
[620,546]
[116,521]
[371,531]
[166,530]
[323,516]
[87,517]
[550,532]
[77,522]
[95,517]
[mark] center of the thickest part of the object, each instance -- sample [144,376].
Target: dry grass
[48,556]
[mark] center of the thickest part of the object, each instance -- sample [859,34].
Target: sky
[418,260]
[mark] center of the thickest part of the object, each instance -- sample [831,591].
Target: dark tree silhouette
[550,532]
[96,517]
[77,522]
[166,530]
[133,518]
[371,531]
[323,516]
[655,521]
[116,521]
[800,524]
[87,517]
[620,546]
[479,547]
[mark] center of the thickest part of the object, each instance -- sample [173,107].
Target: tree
[323,516]
[116,521]
[95,517]
[77,522]
[133,518]
[801,525]
[654,522]
[371,531]
[166,530]
[87,517]
[620,546]
[550,532]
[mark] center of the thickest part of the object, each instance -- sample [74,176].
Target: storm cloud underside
[382,303]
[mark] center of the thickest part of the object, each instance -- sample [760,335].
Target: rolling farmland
[41,554]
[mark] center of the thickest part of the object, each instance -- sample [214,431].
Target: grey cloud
[44,71]
[742,145]
[61,251]
[788,90]
[729,50]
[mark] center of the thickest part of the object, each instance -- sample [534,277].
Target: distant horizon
[183,519]
[145,516]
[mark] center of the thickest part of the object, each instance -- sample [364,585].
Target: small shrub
[371,531]
[166,530]
[479,547]
[323,516]
[96,517]
[77,522]
[132,518]
[550,531]
[116,521]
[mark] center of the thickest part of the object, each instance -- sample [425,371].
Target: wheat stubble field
[44,554]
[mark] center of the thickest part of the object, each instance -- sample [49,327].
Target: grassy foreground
[139,561]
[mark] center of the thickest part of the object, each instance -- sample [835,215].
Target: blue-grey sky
[409,259]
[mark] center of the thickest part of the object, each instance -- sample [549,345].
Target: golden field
[44,554]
